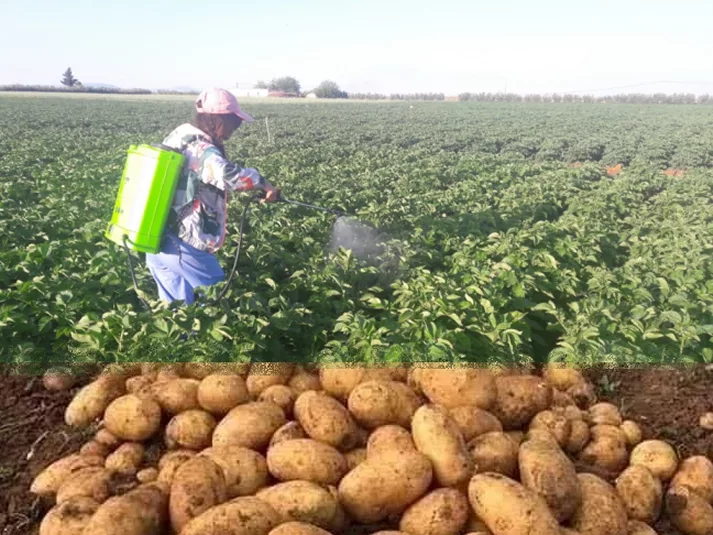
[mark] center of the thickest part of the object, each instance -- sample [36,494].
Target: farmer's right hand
[272,194]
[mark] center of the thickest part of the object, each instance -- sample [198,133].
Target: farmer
[197,223]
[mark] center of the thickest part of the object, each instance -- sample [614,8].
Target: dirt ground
[667,403]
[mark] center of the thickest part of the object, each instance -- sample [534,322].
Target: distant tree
[68,78]
[261,85]
[329,89]
[288,84]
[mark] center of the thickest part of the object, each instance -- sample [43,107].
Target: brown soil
[667,403]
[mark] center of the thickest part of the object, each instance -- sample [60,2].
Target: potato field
[512,233]
[527,352]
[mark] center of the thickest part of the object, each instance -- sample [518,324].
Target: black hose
[243,218]
[133,274]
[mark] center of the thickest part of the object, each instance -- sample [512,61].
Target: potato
[571,412]
[176,395]
[438,437]
[191,429]
[354,458]
[280,395]
[578,437]
[441,512]
[325,419]
[602,511]
[599,430]
[545,469]
[90,482]
[302,381]
[519,398]
[696,473]
[170,372]
[141,511]
[561,399]
[385,485]
[48,481]
[288,431]
[656,455]
[340,381]
[452,387]
[104,436]
[377,403]
[219,393]
[474,422]
[605,452]
[541,434]
[688,511]
[633,432]
[304,501]
[494,452]
[198,485]
[147,475]
[69,517]
[241,516]
[58,379]
[568,531]
[562,377]
[94,449]
[605,413]
[557,424]
[133,418]
[298,528]
[139,385]
[389,438]
[508,508]
[245,470]
[583,395]
[169,463]
[266,374]
[635,527]
[175,456]
[126,460]
[306,459]
[641,493]
[250,425]
[92,400]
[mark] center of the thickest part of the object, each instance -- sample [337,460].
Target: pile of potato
[292,450]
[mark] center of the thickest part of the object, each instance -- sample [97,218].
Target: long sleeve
[217,171]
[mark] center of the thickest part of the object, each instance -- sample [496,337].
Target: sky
[386,46]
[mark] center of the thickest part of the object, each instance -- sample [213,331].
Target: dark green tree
[261,85]
[288,84]
[68,78]
[329,89]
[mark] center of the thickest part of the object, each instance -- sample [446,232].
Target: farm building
[311,95]
[248,91]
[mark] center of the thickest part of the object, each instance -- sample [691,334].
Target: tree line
[290,86]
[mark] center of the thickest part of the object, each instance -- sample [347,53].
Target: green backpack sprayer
[143,206]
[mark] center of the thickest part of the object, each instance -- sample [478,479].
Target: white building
[311,95]
[247,90]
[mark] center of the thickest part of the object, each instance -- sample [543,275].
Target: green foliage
[288,84]
[68,79]
[329,89]
[499,250]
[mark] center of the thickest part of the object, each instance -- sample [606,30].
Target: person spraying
[196,226]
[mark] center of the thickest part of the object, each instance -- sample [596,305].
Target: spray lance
[143,204]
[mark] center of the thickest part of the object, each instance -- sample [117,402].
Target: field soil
[667,403]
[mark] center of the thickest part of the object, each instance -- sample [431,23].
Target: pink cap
[218,100]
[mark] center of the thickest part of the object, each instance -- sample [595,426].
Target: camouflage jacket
[199,214]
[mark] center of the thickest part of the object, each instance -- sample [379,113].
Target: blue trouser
[178,275]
